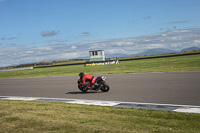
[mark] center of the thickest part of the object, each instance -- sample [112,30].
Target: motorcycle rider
[84,78]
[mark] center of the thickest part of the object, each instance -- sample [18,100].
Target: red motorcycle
[99,84]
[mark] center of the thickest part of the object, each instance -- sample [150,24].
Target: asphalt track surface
[181,88]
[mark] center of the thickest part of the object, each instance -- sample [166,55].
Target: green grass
[180,63]
[38,116]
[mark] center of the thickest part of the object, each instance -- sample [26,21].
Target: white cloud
[147,17]
[196,41]
[73,47]
[69,55]
[178,22]
[113,51]
[94,46]
[164,35]
[43,48]
[152,46]
[29,52]
[49,33]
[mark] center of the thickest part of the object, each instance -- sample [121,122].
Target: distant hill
[156,51]
[190,49]
[115,55]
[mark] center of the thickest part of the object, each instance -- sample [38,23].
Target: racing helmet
[81,75]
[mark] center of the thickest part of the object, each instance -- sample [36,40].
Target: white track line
[155,106]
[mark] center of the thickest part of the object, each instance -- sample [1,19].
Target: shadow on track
[80,92]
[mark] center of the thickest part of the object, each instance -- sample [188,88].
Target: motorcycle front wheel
[105,87]
[83,89]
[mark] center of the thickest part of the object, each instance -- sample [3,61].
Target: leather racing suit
[89,78]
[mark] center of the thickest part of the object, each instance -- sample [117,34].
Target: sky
[45,30]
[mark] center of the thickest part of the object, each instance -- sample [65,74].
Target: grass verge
[179,63]
[39,116]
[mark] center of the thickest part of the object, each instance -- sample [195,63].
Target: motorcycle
[99,84]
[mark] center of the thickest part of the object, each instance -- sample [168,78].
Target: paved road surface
[165,88]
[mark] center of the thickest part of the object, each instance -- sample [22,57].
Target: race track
[164,88]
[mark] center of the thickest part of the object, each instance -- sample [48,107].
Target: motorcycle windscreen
[99,80]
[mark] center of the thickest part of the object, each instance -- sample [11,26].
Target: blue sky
[42,30]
